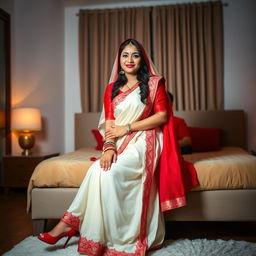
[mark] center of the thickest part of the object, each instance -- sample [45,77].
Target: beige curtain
[100,34]
[188,51]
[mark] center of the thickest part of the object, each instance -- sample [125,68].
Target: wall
[8,6]
[240,61]
[239,54]
[38,67]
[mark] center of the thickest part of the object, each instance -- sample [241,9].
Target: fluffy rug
[183,247]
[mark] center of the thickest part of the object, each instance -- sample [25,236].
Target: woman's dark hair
[170,96]
[142,74]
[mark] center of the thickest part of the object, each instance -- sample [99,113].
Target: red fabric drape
[176,176]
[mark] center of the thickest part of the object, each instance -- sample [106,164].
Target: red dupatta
[176,176]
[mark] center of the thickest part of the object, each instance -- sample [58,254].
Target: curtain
[185,42]
[100,33]
[188,51]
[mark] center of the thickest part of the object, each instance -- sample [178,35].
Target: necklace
[130,87]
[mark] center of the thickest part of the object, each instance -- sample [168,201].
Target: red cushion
[205,139]
[98,138]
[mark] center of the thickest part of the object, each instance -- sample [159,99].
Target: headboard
[231,121]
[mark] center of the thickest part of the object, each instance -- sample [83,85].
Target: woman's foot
[60,228]
[59,231]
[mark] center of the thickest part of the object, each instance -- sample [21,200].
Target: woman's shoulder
[110,86]
[157,79]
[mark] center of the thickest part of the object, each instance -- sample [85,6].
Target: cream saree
[117,212]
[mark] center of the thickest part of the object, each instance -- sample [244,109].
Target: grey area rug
[31,246]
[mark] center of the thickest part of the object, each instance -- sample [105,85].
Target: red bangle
[108,146]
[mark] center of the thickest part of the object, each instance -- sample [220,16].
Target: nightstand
[17,169]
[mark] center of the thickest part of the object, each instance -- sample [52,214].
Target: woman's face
[130,59]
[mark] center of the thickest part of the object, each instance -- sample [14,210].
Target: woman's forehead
[130,48]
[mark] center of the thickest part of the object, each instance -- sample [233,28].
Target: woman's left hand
[116,131]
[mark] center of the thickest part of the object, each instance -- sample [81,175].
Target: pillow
[205,139]
[99,139]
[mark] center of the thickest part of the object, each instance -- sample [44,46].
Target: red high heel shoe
[49,239]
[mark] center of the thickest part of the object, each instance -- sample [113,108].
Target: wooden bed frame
[214,205]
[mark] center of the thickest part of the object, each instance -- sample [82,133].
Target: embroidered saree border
[121,97]
[92,248]
[173,204]
[71,220]
[150,152]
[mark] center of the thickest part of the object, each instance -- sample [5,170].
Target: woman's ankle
[60,228]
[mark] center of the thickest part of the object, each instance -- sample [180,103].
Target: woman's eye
[136,56]
[124,55]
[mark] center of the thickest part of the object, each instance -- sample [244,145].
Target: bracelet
[109,143]
[109,147]
[128,128]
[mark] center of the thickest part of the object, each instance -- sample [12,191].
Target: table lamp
[26,121]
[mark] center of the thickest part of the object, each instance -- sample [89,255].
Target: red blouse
[160,104]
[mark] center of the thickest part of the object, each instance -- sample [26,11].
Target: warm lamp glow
[26,119]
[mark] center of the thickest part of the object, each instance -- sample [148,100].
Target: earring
[121,72]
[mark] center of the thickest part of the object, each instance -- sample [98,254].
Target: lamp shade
[26,119]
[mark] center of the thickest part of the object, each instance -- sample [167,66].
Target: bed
[216,199]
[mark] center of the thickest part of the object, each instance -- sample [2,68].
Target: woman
[117,209]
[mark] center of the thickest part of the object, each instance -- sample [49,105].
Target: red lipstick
[129,65]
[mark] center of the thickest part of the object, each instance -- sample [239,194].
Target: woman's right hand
[115,131]
[107,159]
